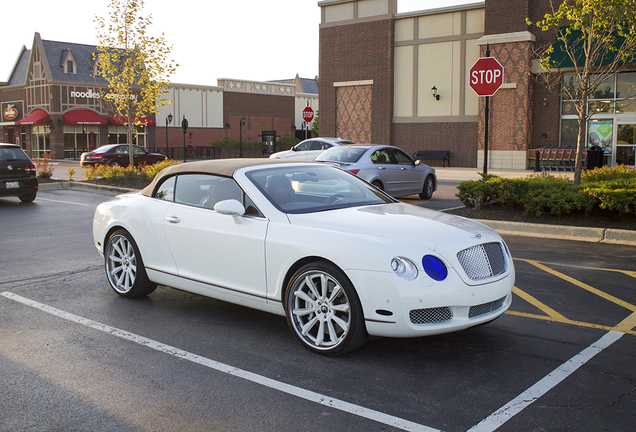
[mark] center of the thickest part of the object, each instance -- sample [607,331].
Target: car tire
[323,310]
[158,161]
[378,184]
[124,267]
[428,188]
[114,163]
[28,197]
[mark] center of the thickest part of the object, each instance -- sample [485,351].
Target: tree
[315,129]
[594,40]
[134,64]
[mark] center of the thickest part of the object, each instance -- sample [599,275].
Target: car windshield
[342,154]
[12,154]
[309,189]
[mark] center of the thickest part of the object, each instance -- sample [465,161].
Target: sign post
[308,116]
[486,76]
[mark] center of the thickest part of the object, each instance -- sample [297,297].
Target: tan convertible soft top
[221,167]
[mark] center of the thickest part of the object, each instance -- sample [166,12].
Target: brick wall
[358,52]
[459,138]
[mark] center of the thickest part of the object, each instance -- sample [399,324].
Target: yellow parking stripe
[627,324]
[580,284]
[541,306]
[625,272]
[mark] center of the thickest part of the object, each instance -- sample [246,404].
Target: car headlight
[434,268]
[404,268]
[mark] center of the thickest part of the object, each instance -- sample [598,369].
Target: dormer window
[69,64]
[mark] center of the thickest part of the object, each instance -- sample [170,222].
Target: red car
[117,155]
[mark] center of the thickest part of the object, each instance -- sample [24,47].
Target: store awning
[83,117]
[120,121]
[37,117]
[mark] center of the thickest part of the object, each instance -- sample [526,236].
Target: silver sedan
[388,168]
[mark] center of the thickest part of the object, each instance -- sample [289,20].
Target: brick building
[378,69]
[52,103]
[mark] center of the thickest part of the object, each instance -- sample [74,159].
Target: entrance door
[625,146]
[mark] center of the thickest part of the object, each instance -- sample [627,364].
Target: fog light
[434,268]
[404,268]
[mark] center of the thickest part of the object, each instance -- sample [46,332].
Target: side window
[122,149]
[138,150]
[203,190]
[304,146]
[402,158]
[318,145]
[381,157]
[166,190]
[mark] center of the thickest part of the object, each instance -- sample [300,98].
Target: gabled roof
[56,53]
[303,85]
[19,72]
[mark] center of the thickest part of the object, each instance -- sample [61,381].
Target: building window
[69,66]
[40,140]
[118,135]
[78,139]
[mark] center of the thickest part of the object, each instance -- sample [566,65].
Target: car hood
[398,222]
[281,154]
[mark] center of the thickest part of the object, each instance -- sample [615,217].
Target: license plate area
[12,185]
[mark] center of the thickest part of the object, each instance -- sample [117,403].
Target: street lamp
[168,121]
[184,125]
[241,136]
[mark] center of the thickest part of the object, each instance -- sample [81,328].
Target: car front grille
[431,315]
[485,308]
[483,261]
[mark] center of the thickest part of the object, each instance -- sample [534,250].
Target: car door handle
[381,167]
[173,219]
[403,169]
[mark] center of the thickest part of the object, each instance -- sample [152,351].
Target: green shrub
[480,192]
[286,143]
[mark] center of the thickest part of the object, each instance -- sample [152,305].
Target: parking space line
[308,395]
[625,326]
[541,306]
[514,407]
[63,202]
[580,284]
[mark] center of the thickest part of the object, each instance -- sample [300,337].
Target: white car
[339,258]
[310,149]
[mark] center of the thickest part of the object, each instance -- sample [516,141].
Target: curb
[86,187]
[594,235]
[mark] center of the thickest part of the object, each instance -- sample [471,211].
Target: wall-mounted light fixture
[434,93]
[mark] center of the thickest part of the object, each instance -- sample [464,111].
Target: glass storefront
[613,106]
[78,139]
[40,140]
[117,135]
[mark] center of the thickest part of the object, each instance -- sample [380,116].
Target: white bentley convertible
[339,258]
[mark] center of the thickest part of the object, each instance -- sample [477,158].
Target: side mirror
[230,207]
[294,148]
[417,162]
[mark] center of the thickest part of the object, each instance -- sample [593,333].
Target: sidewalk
[60,168]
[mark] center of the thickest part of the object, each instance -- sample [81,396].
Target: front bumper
[394,307]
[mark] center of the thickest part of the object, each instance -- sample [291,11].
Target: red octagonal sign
[486,76]
[308,114]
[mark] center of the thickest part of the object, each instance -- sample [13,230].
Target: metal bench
[443,155]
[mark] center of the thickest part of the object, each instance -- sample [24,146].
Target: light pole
[241,136]
[168,121]
[184,125]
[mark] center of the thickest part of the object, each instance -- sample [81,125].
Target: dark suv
[17,173]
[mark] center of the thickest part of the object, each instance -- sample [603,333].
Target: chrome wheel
[121,264]
[323,310]
[124,268]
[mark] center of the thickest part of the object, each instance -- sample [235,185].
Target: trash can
[595,157]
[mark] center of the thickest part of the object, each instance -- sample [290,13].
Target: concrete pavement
[604,235]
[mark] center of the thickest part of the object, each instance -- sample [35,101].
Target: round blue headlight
[434,268]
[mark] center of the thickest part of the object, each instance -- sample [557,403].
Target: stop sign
[308,114]
[486,76]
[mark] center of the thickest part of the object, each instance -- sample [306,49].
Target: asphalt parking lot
[74,356]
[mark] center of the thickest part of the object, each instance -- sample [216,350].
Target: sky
[257,40]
